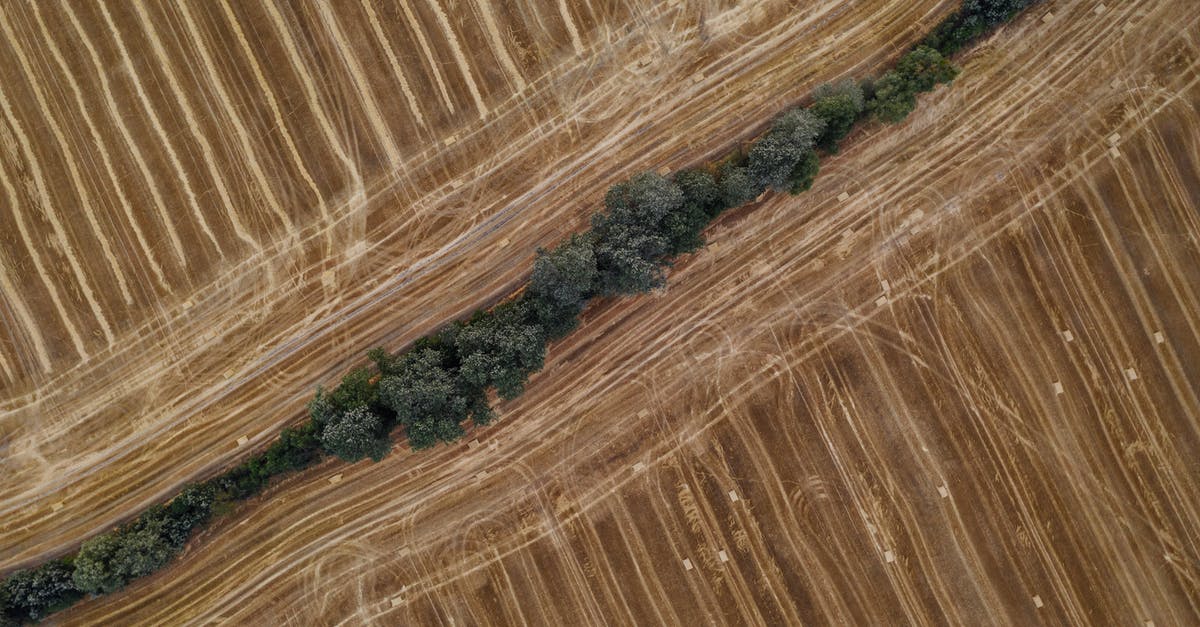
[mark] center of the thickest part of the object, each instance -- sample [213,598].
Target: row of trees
[444,379]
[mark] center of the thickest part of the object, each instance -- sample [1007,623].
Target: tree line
[431,390]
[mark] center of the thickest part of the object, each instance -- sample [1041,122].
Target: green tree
[737,187]
[95,572]
[839,105]
[561,284]
[355,434]
[32,594]
[893,99]
[423,391]
[776,154]
[501,350]
[700,190]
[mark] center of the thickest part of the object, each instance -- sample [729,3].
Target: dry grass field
[954,383]
[137,352]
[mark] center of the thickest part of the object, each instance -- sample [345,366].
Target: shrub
[700,190]
[839,105]
[803,175]
[896,91]
[424,394]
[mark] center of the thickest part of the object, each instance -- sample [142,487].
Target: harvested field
[219,205]
[955,382]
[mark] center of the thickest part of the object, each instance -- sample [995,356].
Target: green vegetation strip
[444,379]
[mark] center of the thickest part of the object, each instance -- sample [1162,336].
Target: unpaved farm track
[965,393]
[133,131]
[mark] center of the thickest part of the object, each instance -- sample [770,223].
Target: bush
[918,71]
[776,154]
[803,175]
[700,190]
[32,594]
[839,105]
[355,434]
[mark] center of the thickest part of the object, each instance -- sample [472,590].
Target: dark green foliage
[639,231]
[384,361]
[839,105]
[918,71]
[803,175]
[893,99]
[187,512]
[501,349]
[31,595]
[974,19]
[109,561]
[737,187]
[700,189]
[295,449]
[924,68]
[427,398]
[776,154]
[561,284]
[355,434]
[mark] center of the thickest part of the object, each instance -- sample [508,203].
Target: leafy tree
[974,19]
[737,187]
[627,260]
[501,350]
[109,561]
[776,154]
[295,449]
[561,284]
[356,434]
[32,594]
[700,190]
[839,105]
[421,387]
[893,99]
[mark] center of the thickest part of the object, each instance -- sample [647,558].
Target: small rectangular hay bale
[1100,8]
[57,506]
[639,466]
[881,301]
[1114,138]
[242,441]
[1068,336]
[336,478]
[889,556]
[473,444]
[687,564]
[843,197]
[1037,601]
[1047,18]
[1058,387]
[397,600]
[721,554]
[943,491]
[1114,153]
[1131,373]
[885,285]
[733,496]
[1158,337]
[228,374]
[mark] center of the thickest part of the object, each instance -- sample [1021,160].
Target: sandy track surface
[324,245]
[953,383]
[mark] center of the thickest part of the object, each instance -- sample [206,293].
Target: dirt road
[955,382]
